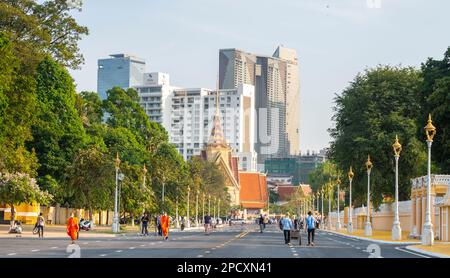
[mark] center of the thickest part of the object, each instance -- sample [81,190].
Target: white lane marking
[35,250]
[295,254]
[131,248]
[142,245]
[152,243]
[358,248]
[12,254]
[207,252]
[85,243]
[214,248]
[118,251]
[102,255]
[97,241]
[218,246]
[420,255]
[199,256]
[54,247]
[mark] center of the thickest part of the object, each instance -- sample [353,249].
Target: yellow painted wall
[26,213]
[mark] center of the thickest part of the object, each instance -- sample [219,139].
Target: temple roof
[253,190]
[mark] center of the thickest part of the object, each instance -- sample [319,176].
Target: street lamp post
[368,226]
[209,204]
[203,207]
[115,225]
[176,212]
[144,171]
[396,229]
[196,208]
[321,214]
[218,208]
[318,201]
[338,223]
[350,224]
[428,234]
[329,204]
[214,208]
[188,221]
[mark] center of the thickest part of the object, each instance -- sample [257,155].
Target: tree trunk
[91,218]
[132,220]
[100,216]
[13,216]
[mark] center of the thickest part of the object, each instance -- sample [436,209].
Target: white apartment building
[155,94]
[191,121]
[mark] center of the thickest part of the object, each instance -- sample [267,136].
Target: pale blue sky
[334,39]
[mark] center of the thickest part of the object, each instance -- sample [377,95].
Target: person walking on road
[165,225]
[207,223]
[311,225]
[287,225]
[144,220]
[158,225]
[40,225]
[72,227]
[261,223]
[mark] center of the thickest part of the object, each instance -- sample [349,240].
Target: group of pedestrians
[287,225]
[162,223]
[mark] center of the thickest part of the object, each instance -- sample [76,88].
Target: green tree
[434,98]
[377,106]
[58,131]
[123,110]
[135,197]
[90,180]
[17,188]
[169,173]
[17,106]
[38,28]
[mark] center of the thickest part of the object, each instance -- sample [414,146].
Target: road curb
[418,250]
[373,240]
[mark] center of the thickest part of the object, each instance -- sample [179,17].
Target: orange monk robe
[72,227]
[165,225]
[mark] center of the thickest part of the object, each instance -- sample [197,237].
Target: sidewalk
[439,249]
[54,231]
[377,236]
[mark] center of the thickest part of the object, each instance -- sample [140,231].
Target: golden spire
[216,137]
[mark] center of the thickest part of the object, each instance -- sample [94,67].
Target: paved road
[229,242]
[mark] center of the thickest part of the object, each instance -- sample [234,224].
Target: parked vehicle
[85,225]
[17,228]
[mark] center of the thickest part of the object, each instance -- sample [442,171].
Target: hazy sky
[334,39]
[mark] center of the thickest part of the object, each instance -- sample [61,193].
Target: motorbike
[85,225]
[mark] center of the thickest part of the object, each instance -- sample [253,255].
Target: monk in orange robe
[72,228]
[165,225]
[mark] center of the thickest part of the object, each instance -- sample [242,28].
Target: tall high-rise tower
[277,93]
[120,70]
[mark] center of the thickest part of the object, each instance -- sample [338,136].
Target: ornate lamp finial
[397,146]
[430,130]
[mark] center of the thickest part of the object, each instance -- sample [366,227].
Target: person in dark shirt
[144,220]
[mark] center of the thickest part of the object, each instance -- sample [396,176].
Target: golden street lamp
[115,225]
[196,208]
[396,229]
[427,234]
[368,226]
[330,189]
[350,224]
[209,204]
[188,223]
[338,223]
